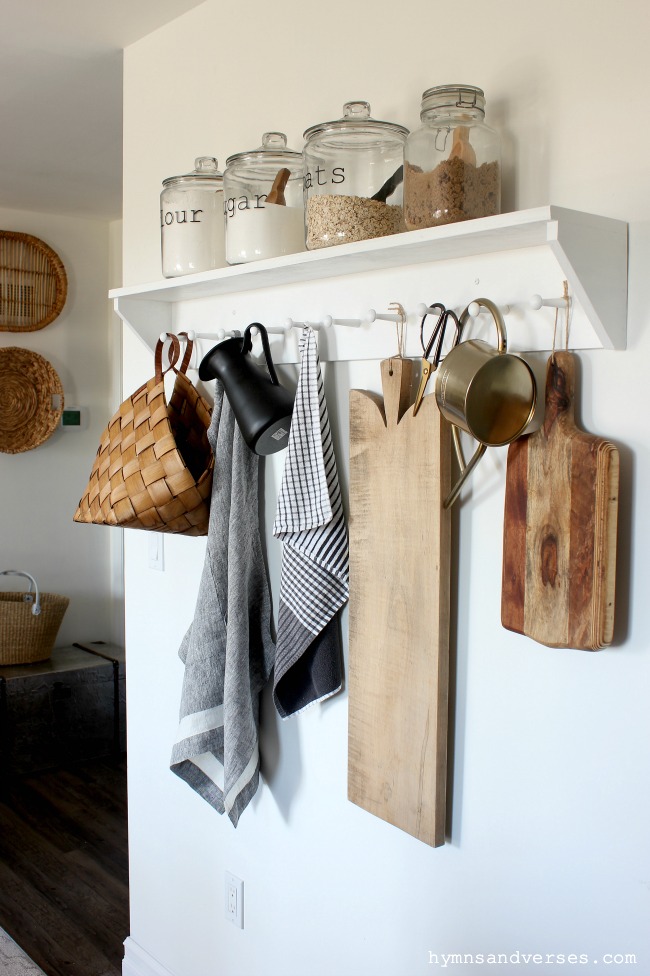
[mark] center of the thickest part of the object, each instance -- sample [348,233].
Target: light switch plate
[156,552]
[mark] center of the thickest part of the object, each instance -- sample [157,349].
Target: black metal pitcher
[262,407]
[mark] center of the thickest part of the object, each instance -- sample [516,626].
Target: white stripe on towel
[208,763]
[244,779]
[197,722]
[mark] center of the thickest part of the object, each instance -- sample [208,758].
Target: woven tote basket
[24,637]
[153,468]
[33,283]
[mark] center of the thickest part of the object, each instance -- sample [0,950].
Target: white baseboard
[138,962]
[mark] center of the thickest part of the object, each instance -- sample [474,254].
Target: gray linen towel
[228,650]
[315,558]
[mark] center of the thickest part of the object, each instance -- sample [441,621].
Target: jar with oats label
[353,178]
[192,234]
[452,166]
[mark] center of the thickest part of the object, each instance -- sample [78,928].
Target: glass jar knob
[356,110]
[274,140]
[206,164]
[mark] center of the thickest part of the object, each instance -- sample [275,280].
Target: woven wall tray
[29,414]
[33,283]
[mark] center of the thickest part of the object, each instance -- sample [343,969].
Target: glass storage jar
[191,220]
[452,167]
[264,201]
[353,178]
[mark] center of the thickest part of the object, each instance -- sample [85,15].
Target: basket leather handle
[187,355]
[173,354]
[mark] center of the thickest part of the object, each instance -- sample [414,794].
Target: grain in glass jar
[264,202]
[192,234]
[452,165]
[353,178]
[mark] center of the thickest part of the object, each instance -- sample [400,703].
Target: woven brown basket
[33,283]
[28,413]
[153,469]
[24,637]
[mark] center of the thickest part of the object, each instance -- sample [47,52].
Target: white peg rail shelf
[513,259]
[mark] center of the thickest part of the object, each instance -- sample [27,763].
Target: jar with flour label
[192,221]
[263,205]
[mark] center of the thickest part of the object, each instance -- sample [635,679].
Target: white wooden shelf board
[507,258]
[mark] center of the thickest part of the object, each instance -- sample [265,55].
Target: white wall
[40,489]
[549,850]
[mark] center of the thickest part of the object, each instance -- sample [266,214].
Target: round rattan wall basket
[31,400]
[33,283]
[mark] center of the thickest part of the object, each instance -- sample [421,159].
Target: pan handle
[465,468]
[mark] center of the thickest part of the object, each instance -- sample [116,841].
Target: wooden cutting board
[559,542]
[399,606]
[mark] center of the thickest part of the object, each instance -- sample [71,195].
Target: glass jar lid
[205,168]
[358,123]
[273,148]
[462,97]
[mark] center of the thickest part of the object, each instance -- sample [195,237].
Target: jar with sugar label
[191,220]
[263,204]
[452,167]
[353,178]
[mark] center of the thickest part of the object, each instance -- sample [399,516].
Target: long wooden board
[559,541]
[399,606]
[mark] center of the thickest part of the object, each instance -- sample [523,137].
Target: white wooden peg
[317,326]
[537,302]
[423,309]
[348,323]
[372,315]
[271,329]
[475,308]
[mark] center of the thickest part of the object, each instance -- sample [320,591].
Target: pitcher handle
[247,345]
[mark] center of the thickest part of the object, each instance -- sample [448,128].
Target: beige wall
[549,848]
[40,489]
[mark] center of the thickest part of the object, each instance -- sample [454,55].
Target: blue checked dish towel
[309,521]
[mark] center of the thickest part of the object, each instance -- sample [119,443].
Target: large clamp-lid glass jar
[264,201]
[353,178]
[191,220]
[452,168]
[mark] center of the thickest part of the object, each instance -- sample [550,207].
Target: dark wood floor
[64,867]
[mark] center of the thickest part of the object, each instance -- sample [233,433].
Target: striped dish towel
[315,573]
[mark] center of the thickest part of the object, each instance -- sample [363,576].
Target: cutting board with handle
[559,541]
[400,472]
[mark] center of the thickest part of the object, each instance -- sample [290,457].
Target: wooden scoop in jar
[461,147]
[276,193]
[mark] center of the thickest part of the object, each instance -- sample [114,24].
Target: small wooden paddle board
[400,472]
[559,540]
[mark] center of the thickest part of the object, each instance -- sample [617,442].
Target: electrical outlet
[234,900]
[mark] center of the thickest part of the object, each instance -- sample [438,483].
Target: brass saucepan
[484,391]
